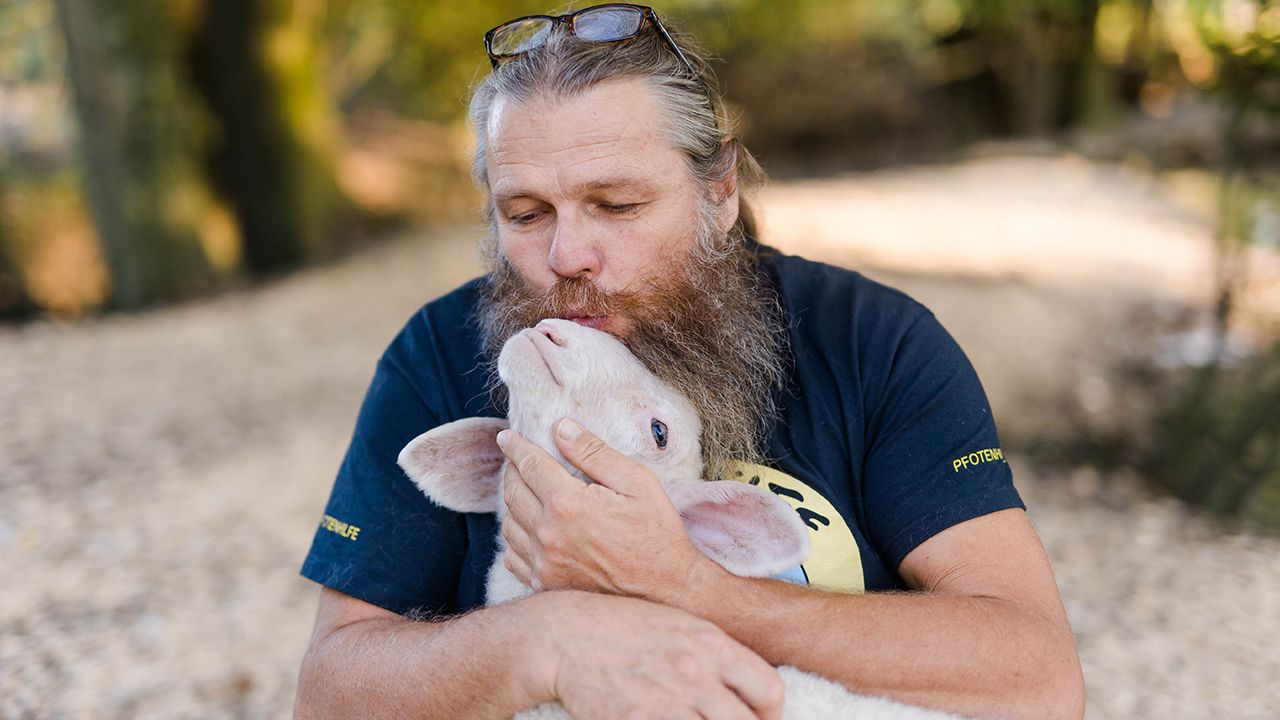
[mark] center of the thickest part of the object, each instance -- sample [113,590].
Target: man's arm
[986,634]
[603,657]
[364,661]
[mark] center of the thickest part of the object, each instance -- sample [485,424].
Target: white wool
[808,697]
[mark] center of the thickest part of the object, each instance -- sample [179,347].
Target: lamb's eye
[659,430]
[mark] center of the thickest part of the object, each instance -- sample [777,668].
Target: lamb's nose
[553,334]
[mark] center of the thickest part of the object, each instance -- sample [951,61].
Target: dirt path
[161,475]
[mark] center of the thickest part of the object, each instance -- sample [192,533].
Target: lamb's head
[559,368]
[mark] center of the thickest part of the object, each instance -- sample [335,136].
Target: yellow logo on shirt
[834,561]
[336,526]
[977,458]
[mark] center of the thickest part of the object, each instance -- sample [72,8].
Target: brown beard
[710,327]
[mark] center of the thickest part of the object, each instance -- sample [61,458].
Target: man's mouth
[596,322]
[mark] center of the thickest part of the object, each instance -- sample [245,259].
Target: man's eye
[619,209]
[525,218]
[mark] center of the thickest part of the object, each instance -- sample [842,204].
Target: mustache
[581,296]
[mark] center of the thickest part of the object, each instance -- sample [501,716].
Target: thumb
[601,463]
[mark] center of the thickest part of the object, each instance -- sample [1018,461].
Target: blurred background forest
[159,154]
[153,151]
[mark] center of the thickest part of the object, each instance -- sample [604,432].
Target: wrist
[546,620]
[689,587]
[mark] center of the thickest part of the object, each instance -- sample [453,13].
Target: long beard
[709,327]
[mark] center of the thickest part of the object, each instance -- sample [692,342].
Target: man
[615,200]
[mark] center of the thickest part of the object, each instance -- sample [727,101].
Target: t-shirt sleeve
[380,539]
[934,459]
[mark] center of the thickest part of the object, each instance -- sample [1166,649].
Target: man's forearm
[602,656]
[474,666]
[975,656]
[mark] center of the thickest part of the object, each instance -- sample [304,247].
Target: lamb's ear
[458,465]
[748,531]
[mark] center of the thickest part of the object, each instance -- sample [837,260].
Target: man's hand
[602,656]
[622,657]
[619,535]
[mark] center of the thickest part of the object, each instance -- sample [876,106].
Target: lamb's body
[561,369]
[809,697]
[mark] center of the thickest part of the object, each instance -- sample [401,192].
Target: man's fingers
[517,538]
[517,556]
[540,471]
[522,504]
[755,681]
[518,566]
[722,704]
[594,457]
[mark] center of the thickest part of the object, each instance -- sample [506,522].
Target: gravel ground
[161,474]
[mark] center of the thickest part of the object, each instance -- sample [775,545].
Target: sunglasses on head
[613,22]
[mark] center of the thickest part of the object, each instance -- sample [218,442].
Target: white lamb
[562,369]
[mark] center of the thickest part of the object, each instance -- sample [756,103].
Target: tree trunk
[141,137]
[1095,93]
[15,303]
[259,64]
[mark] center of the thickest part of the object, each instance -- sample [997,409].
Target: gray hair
[697,123]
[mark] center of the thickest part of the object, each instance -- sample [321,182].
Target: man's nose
[574,252]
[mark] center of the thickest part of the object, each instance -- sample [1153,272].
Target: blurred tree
[1238,61]
[14,300]
[141,133]
[261,66]
[1218,444]
[871,78]
[1040,51]
[210,127]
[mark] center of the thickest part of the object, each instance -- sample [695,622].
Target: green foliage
[861,69]
[817,83]
[417,59]
[25,39]
[1218,445]
[1242,41]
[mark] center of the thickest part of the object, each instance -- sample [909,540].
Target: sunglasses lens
[607,23]
[520,36]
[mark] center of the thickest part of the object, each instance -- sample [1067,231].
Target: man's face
[597,217]
[586,188]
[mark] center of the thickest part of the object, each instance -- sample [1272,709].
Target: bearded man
[616,199]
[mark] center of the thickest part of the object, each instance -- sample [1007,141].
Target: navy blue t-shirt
[885,439]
